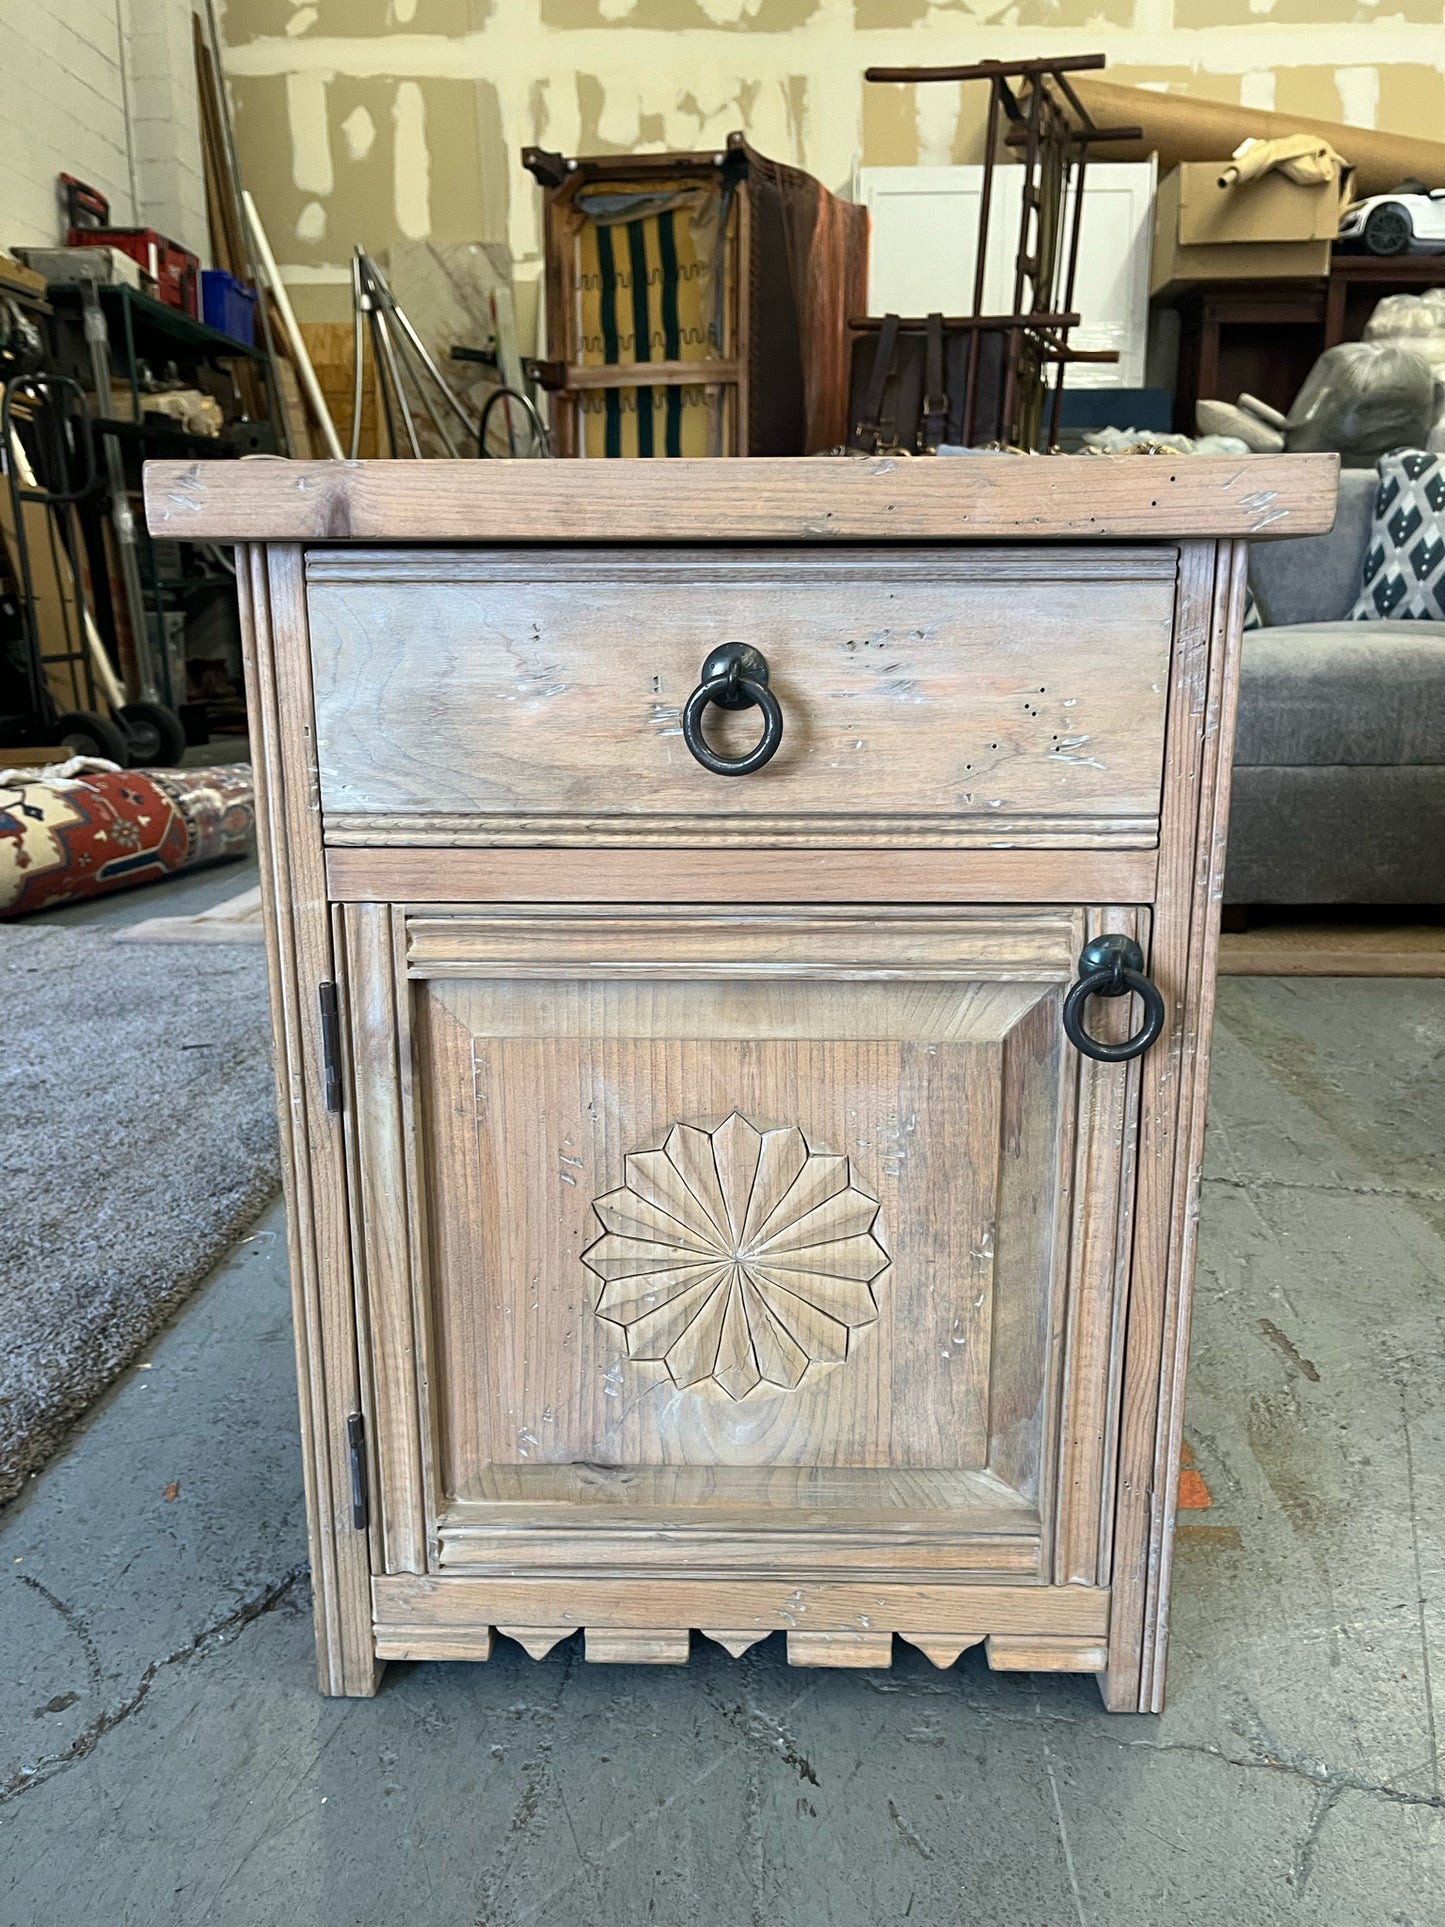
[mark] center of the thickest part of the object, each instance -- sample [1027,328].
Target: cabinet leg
[1119,1689]
[356,1682]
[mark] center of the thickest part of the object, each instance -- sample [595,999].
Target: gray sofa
[1339,764]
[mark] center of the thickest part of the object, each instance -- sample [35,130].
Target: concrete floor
[182,895]
[164,1756]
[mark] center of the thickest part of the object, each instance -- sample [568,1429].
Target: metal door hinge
[330,1045]
[356,1444]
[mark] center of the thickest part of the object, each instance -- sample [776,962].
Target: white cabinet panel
[925,232]
[1111,287]
[924,236]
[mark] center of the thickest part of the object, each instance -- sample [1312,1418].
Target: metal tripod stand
[404,363]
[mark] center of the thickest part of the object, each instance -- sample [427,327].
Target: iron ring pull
[1112,966]
[734,677]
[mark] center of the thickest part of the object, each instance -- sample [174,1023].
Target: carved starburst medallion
[737,1256]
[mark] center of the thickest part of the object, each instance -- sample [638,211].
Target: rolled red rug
[83,828]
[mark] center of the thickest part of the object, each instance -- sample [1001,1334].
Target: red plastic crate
[175,270]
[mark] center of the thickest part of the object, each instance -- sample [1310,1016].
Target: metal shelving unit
[143,331]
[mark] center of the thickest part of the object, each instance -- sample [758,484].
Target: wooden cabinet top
[820,499]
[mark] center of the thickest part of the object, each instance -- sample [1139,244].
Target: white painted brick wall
[66,107]
[62,109]
[165,120]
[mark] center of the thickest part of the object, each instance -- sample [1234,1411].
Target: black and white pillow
[1404,578]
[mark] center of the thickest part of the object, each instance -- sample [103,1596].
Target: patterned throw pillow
[1405,559]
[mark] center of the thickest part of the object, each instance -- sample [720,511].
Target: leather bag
[908,389]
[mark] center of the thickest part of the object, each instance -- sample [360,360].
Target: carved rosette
[738,1257]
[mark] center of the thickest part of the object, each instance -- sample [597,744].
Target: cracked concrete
[33,1772]
[165,1758]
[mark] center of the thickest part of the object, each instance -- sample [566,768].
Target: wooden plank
[407,1606]
[840,1649]
[648,374]
[422,876]
[898,569]
[1340,949]
[301,956]
[420,1642]
[1226,625]
[615,1646]
[1059,498]
[236,922]
[838,940]
[737,427]
[59,613]
[1193,822]
[374,1117]
[1092,1337]
[33,758]
[723,1495]
[892,1547]
[1035,1134]
[762,830]
[414,1153]
[1045,1653]
[239,919]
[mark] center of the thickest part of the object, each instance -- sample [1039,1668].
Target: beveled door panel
[741,1238]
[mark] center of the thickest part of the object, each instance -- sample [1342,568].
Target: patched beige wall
[369,120]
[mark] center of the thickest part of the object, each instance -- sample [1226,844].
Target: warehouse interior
[1054,399]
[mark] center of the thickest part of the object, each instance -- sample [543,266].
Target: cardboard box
[16,277]
[1261,230]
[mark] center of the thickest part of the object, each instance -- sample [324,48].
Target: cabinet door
[701,1240]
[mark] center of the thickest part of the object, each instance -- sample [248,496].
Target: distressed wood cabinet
[705,1217]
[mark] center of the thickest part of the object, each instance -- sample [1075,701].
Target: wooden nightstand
[705,1215]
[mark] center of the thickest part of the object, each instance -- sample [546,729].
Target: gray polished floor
[164,1756]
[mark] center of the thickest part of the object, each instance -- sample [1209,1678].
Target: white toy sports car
[1406,222]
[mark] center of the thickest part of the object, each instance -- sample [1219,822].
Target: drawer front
[985,698]
[769,1243]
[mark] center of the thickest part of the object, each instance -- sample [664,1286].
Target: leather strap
[934,418]
[870,428]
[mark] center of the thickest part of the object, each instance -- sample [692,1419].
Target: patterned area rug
[140,1140]
[85,828]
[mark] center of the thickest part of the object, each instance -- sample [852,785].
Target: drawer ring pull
[1112,966]
[734,677]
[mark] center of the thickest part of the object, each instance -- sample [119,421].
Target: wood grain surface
[718,1233]
[1173,1086]
[301,954]
[915,697]
[385,1232]
[459,877]
[946,1100]
[1045,498]
[407,1606]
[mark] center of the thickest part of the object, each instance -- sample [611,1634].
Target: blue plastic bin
[228,305]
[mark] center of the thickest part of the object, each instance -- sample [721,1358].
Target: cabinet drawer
[983,698]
